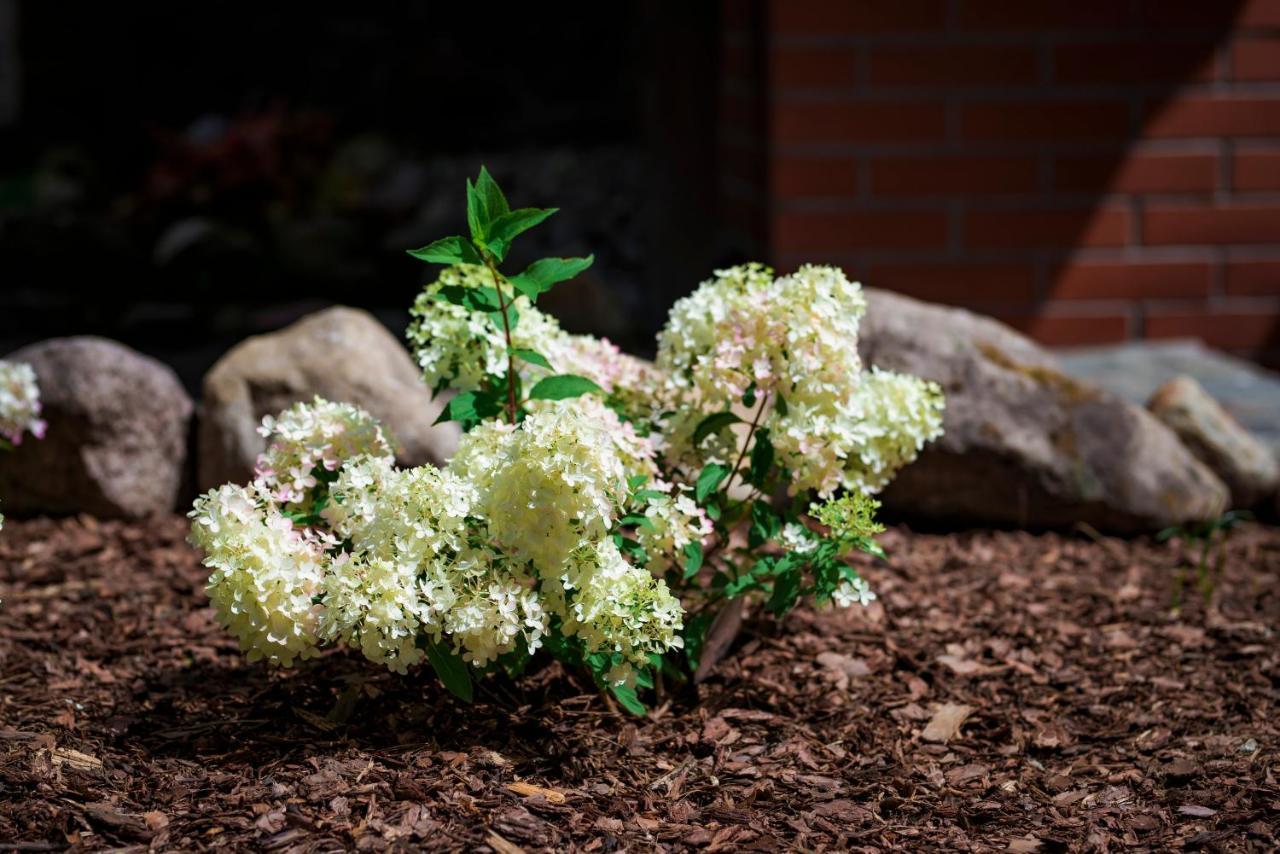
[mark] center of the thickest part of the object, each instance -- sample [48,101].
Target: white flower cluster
[793,343]
[482,555]
[19,405]
[310,438]
[19,402]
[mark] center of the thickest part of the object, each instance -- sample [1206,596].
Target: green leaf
[765,524]
[533,357]
[475,299]
[713,424]
[628,700]
[511,322]
[648,494]
[541,276]
[692,559]
[448,250]
[469,407]
[710,479]
[786,589]
[491,197]
[451,669]
[781,406]
[749,396]
[475,213]
[636,481]
[562,387]
[507,227]
[761,459]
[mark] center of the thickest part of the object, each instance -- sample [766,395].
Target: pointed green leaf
[475,212]
[786,589]
[713,424]
[695,636]
[562,387]
[491,198]
[475,299]
[448,250]
[628,700]
[692,559]
[541,276]
[508,226]
[709,481]
[469,407]
[533,357]
[451,669]
[761,459]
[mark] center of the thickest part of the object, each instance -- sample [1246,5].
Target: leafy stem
[751,432]
[506,331]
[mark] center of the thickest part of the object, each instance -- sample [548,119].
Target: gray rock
[1134,371]
[341,354]
[1245,465]
[118,431]
[1025,444]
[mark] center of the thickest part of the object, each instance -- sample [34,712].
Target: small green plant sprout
[19,406]
[600,508]
[1204,535]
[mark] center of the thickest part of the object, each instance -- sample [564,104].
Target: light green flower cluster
[312,439]
[482,556]
[791,344]
[19,406]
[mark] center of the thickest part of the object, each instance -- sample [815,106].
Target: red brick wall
[1091,170]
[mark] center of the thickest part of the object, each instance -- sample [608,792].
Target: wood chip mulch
[1008,692]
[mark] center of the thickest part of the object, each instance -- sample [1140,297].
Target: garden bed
[1095,717]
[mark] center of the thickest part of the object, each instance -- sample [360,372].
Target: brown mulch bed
[1009,691]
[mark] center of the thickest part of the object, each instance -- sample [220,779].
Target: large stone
[1026,444]
[118,432]
[1243,463]
[341,354]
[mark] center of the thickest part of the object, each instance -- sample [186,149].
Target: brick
[840,230]
[1253,278]
[857,121]
[1209,224]
[1255,58]
[1025,15]
[1046,229]
[1098,281]
[1255,170]
[814,67]
[1039,120]
[1055,330]
[1137,62]
[1136,173]
[1226,330]
[947,175]
[796,176]
[957,284]
[1260,13]
[953,65]
[855,17]
[1206,116]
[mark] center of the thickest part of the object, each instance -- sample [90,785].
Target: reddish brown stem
[506,331]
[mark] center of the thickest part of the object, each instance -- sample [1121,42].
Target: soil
[1008,691]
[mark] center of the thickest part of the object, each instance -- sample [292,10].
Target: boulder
[116,447]
[341,354]
[1243,463]
[1025,444]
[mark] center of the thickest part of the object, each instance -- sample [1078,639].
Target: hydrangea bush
[599,507]
[19,406]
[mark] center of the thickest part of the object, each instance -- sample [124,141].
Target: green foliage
[562,387]
[1204,534]
[713,424]
[709,481]
[541,276]
[449,667]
